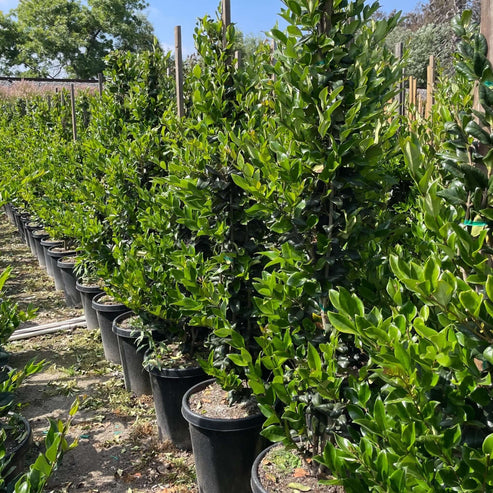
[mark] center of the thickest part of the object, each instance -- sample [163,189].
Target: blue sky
[251,16]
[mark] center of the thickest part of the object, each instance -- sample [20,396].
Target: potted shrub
[15,430]
[315,191]
[429,376]
[172,364]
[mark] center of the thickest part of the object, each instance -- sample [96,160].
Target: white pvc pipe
[26,335]
[50,325]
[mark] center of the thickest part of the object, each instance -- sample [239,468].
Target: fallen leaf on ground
[299,487]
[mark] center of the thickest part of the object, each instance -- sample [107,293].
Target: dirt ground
[118,450]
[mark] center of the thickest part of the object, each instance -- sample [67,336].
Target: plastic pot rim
[116,307]
[217,424]
[87,289]
[37,235]
[65,265]
[65,253]
[191,372]
[121,331]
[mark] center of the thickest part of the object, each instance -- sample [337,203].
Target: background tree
[49,37]
[427,31]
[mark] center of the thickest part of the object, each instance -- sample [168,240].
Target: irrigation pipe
[50,325]
[43,329]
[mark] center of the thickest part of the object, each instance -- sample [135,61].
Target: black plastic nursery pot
[54,254]
[223,449]
[46,244]
[169,385]
[255,482]
[30,228]
[37,236]
[17,455]
[23,219]
[106,313]
[9,211]
[132,357]
[17,221]
[87,294]
[72,296]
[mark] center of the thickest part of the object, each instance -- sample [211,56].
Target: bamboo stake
[179,72]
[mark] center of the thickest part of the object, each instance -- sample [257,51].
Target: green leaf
[279,35]
[488,444]
[314,360]
[471,301]
[489,287]
[341,323]
[488,354]
[297,279]
[403,357]
[274,433]
[197,71]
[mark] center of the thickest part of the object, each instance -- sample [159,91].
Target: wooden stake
[401,96]
[74,119]
[179,73]
[486,28]
[100,84]
[430,86]
[226,18]
[237,59]
[487,25]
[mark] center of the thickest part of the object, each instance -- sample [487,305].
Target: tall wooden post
[74,119]
[401,95]
[226,18]
[487,25]
[100,84]
[486,29]
[237,59]
[179,73]
[430,86]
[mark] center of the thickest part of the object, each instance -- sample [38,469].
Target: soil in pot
[224,446]
[87,293]
[277,470]
[72,296]
[107,310]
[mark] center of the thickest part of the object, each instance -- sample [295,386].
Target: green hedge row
[328,253]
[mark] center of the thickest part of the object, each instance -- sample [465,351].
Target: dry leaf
[299,487]
[300,473]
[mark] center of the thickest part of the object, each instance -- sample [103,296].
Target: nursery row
[314,253]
